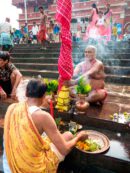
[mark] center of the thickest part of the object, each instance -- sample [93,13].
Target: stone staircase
[32,61]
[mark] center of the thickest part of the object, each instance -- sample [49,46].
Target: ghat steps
[32,61]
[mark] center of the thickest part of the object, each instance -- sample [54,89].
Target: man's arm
[97,71]
[56,137]
[77,70]
[18,76]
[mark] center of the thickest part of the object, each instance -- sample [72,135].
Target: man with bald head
[92,70]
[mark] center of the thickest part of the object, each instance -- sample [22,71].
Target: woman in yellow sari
[26,148]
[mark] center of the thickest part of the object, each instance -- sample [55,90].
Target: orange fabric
[26,150]
[105,93]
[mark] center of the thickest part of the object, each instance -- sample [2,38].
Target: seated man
[92,70]
[31,139]
[10,76]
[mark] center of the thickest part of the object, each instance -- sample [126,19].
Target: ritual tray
[101,139]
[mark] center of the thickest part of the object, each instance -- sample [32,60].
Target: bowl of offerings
[94,143]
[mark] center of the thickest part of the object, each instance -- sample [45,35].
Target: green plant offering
[52,86]
[82,87]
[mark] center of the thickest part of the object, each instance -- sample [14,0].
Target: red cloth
[51,109]
[42,33]
[65,63]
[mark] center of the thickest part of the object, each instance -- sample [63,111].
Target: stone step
[116,62]
[36,50]
[118,79]
[117,70]
[74,55]
[36,66]
[75,49]
[123,44]
[33,55]
[33,60]
[24,46]
[109,62]
[79,52]
[114,56]
[43,73]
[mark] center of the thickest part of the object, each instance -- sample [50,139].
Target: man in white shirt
[35,32]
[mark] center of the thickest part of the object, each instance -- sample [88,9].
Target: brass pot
[81,104]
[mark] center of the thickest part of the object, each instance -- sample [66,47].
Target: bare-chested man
[42,29]
[92,70]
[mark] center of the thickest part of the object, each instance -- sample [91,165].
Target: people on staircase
[101,24]
[50,31]
[10,76]
[32,141]
[6,39]
[92,70]
[56,32]
[91,31]
[25,33]
[108,18]
[35,32]
[42,35]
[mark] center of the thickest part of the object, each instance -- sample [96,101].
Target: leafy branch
[82,87]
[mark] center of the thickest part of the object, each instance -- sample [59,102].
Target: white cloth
[100,21]
[56,151]
[35,30]
[5,164]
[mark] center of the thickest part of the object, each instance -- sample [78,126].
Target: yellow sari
[26,150]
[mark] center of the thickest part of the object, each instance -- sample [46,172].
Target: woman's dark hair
[95,6]
[4,55]
[35,88]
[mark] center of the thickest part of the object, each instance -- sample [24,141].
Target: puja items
[82,90]
[52,87]
[63,99]
[94,143]
[88,145]
[73,127]
[81,104]
[121,117]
